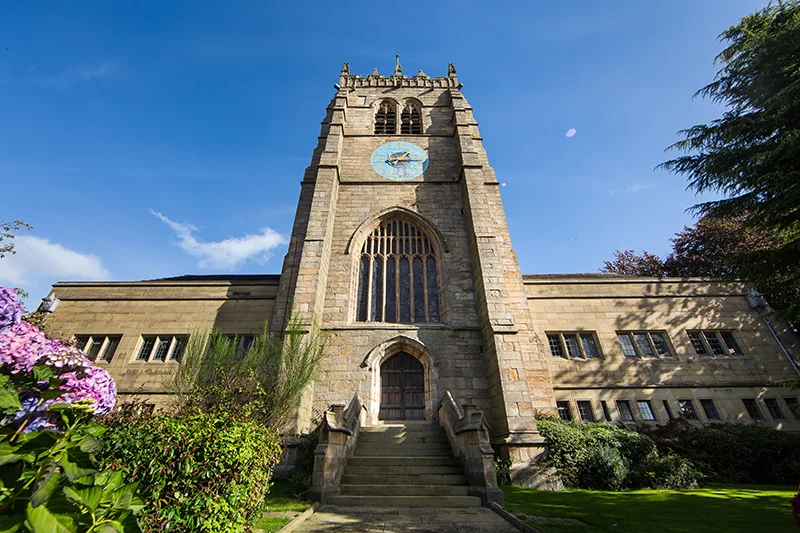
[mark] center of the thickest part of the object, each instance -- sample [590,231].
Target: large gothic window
[397,275]
[386,118]
[411,118]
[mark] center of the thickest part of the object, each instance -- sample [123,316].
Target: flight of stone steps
[404,466]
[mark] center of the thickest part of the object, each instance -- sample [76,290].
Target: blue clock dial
[399,160]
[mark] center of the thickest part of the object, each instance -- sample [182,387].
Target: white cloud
[39,258]
[83,73]
[633,188]
[228,254]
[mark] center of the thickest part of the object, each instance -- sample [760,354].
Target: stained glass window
[398,275]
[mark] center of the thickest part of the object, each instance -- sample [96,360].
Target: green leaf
[90,444]
[111,480]
[42,373]
[88,497]
[130,523]
[9,453]
[122,499]
[76,464]
[41,520]
[111,527]
[45,483]
[9,402]
[12,523]
[52,394]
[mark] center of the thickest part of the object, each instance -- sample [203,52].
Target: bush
[733,453]
[198,471]
[603,456]
[603,469]
[300,480]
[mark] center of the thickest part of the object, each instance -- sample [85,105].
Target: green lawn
[715,509]
[279,499]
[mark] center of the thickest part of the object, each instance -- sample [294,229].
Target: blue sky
[151,139]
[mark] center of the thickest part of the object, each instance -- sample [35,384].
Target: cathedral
[400,251]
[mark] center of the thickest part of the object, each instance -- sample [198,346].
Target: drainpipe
[757,302]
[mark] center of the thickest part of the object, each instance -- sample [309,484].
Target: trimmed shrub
[603,456]
[604,469]
[300,480]
[734,453]
[197,471]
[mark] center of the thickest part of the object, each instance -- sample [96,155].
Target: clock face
[399,160]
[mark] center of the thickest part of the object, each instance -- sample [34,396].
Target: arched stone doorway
[377,360]
[402,388]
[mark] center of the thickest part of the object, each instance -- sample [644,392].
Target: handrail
[339,431]
[468,434]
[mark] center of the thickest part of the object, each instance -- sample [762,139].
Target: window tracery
[386,118]
[411,118]
[398,277]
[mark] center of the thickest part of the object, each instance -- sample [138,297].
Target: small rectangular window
[95,344]
[627,345]
[714,342]
[668,409]
[646,410]
[624,408]
[794,407]
[730,343]
[563,411]
[573,345]
[710,409]
[554,341]
[644,343]
[81,341]
[687,409]
[585,411]
[147,347]
[178,349]
[752,408]
[660,344]
[573,350]
[697,343]
[111,349]
[774,408]
[162,348]
[589,346]
[606,412]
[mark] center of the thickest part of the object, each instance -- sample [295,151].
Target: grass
[279,499]
[715,509]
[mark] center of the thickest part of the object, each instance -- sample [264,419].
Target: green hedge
[607,457]
[735,453]
[201,471]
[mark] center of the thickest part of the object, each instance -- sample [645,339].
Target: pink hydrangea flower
[92,383]
[11,309]
[22,346]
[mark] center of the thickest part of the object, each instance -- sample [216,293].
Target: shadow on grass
[716,509]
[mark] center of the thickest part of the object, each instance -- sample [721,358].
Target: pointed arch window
[398,277]
[411,118]
[386,118]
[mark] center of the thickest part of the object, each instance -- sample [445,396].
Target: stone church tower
[400,249]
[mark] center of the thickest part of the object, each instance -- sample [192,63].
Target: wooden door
[402,388]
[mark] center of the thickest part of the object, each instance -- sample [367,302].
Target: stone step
[406,501]
[403,479]
[405,490]
[381,461]
[402,430]
[366,446]
[405,439]
[403,469]
[399,451]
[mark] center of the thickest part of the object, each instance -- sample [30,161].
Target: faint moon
[571,132]
[504,184]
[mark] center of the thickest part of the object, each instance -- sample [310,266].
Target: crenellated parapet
[398,79]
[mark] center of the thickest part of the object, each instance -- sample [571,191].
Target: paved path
[338,519]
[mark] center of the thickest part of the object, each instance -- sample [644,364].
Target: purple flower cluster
[23,346]
[11,309]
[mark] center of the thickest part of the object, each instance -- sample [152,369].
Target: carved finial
[345,69]
[421,74]
[375,72]
[451,70]
[398,68]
